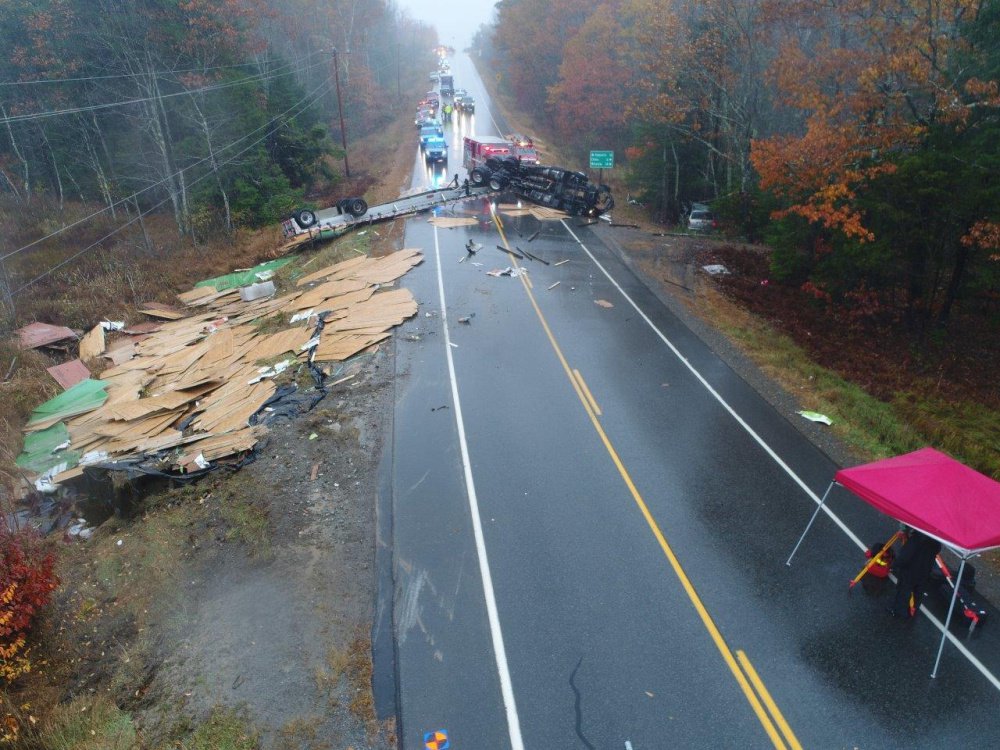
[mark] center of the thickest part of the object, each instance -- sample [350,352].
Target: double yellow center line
[739,664]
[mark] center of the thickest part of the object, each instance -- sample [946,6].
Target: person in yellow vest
[448,109]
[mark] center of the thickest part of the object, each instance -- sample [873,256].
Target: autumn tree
[890,98]
[530,37]
[702,87]
[595,77]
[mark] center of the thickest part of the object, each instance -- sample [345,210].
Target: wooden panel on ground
[336,347]
[316,296]
[281,342]
[69,373]
[159,310]
[35,335]
[339,269]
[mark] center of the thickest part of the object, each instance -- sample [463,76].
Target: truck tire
[357,207]
[305,218]
[498,181]
[479,176]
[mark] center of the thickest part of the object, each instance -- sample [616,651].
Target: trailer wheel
[357,207]
[479,176]
[305,218]
[498,181]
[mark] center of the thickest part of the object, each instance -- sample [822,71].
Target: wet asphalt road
[635,531]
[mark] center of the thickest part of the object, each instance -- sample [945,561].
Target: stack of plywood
[193,382]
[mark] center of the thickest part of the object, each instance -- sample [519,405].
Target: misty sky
[455,20]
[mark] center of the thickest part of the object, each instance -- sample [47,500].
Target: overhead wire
[187,92]
[158,73]
[137,193]
[316,93]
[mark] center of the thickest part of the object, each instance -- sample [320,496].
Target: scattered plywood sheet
[603,303]
[281,342]
[385,309]
[65,476]
[170,401]
[448,222]
[69,373]
[121,354]
[336,269]
[143,328]
[547,214]
[233,411]
[390,267]
[197,294]
[516,211]
[159,310]
[221,346]
[92,345]
[339,302]
[315,297]
[336,347]
[35,335]
[218,446]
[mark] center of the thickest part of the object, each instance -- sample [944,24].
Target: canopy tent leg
[947,620]
[819,507]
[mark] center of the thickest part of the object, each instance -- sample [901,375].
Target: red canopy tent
[932,493]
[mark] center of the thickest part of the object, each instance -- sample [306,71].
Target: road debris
[560,262]
[715,269]
[508,271]
[507,250]
[467,320]
[532,237]
[814,416]
[532,256]
[603,303]
[553,286]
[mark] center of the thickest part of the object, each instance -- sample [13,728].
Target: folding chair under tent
[934,494]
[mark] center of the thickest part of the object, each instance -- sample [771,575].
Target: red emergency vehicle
[478,148]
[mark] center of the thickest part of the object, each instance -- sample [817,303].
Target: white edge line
[777,459]
[506,686]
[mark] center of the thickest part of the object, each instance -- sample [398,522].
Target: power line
[136,194]
[93,107]
[157,73]
[156,206]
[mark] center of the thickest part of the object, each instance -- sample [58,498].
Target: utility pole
[340,109]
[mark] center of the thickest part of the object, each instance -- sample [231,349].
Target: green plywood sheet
[85,396]
[40,452]
[243,278]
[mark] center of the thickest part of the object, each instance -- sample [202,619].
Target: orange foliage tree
[868,78]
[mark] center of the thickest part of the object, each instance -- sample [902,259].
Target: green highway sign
[602,159]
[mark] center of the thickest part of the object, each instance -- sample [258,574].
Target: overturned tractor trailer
[493,162]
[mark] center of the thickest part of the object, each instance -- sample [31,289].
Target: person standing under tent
[912,568]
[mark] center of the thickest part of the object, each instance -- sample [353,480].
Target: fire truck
[477,149]
[523,148]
